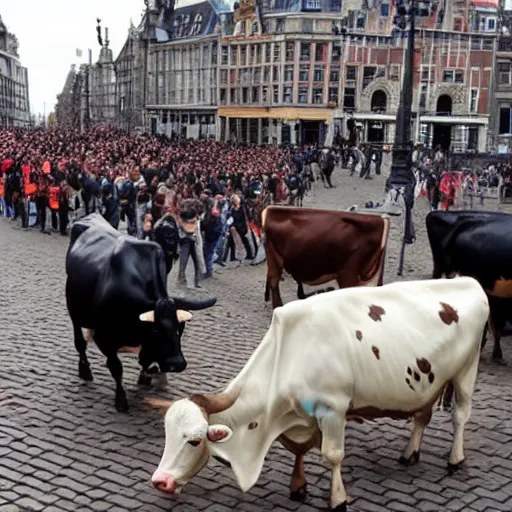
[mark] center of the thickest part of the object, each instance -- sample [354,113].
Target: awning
[285,113]
[454,120]
[375,117]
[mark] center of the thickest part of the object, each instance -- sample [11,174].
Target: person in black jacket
[211,226]
[166,234]
[239,224]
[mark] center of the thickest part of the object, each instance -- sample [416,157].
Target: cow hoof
[452,468]
[144,380]
[413,459]
[300,494]
[160,381]
[342,507]
[84,372]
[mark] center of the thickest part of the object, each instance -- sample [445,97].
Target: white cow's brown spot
[253,425]
[376,352]
[359,335]
[448,315]
[423,365]
[376,313]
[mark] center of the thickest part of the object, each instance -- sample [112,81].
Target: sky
[50,31]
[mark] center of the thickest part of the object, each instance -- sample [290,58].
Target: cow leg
[300,291]
[267,289]
[464,385]
[332,426]
[412,451]
[496,325]
[484,336]
[84,368]
[298,486]
[277,301]
[116,369]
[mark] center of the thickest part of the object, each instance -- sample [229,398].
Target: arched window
[379,101]
[198,22]
[444,105]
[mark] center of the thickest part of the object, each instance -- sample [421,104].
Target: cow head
[161,351]
[187,437]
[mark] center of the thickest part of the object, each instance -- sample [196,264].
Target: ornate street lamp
[402,177]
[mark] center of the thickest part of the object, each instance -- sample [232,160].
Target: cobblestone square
[63,447]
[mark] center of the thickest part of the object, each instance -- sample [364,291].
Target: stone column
[260,131]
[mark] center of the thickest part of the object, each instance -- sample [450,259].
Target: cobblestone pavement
[63,447]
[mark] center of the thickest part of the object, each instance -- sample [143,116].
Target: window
[351,73]
[234,95]
[457,24]
[423,98]
[304,73]
[369,73]
[198,21]
[318,96]
[290,52]
[288,73]
[264,95]
[384,10]
[243,55]
[318,75]
[255,27]
[504,75]
[491,24]
[257,75]
[277,52]
[473,101]
[321,52]
[223,76]
[303,94]
[266,73]
[233,55]
[255,94]
[245,95]
[428,73]
[275,73]
[267,52]
[311,5]
[333,94]
[307,26]
[280,25]
[394,72]
[335,75]
[349,98]
[252,55]
[505,118]
[361,20]
[276,93]
[287,94]
[453,75]
[304,51]
[336,51]
[223,96]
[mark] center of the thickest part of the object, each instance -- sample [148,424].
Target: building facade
[14,94]
[307,71]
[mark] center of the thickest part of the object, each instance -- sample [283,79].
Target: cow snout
[174,365]
[164,482]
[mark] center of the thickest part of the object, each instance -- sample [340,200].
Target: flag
[79,53]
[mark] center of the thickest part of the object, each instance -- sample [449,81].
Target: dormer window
[198,21]
[311,5]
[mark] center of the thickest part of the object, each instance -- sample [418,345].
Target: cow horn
[193,305]
[149,316]
[214,404]
[158,403]
[183,316]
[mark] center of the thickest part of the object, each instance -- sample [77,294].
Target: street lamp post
[402,178]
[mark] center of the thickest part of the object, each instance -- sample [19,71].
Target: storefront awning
[454,120]
[285,113]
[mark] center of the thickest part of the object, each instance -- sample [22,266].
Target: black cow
[117,296]
[477,244]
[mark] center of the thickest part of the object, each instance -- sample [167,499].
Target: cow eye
[194,443]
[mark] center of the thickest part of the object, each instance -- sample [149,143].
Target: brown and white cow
[318,246]
[361,352]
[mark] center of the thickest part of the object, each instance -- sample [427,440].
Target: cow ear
[147,317]
[183,316]
[159,403]
[219,433]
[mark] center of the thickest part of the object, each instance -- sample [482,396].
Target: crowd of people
[198,199]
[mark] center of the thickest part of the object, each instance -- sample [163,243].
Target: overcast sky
[50,31]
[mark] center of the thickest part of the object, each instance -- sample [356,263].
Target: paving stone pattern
[63,447]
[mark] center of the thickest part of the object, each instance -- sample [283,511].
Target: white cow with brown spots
[356,353]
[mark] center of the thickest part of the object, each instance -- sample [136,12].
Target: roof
[185,22]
